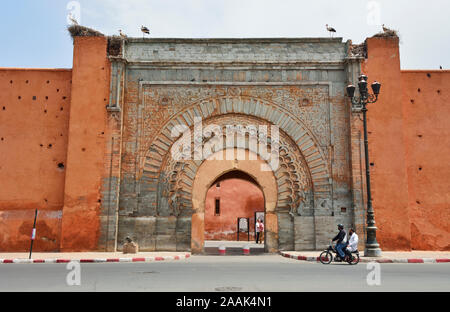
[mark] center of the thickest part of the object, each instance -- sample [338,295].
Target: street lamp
[372,248]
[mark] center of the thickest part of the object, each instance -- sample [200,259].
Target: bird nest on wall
[114,45]
[83,31]
[387,33]
[359,50]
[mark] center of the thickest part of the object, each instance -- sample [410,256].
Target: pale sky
[34,32]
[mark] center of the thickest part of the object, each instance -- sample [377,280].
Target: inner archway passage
[233,195]
[209,171]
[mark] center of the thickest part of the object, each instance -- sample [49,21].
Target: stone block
[304,233]
[166,225]
[183,233]
[166,242]
[145,228]
[285,232]
[325,229]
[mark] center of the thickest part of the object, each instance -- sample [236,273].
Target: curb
[98,260]
[362,259]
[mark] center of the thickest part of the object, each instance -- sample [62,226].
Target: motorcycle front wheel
[326,257]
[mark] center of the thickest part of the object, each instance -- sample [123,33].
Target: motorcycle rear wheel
[354,260]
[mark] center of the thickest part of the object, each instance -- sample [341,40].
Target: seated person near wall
[352,242]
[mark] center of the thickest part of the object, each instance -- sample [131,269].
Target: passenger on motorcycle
[352,244]
[341,239]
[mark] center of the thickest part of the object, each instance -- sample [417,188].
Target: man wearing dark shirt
[341,241]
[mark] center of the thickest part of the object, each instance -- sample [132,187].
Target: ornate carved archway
[301,178]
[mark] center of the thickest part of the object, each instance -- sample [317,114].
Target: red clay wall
[409,147]
[86,145]
[387,146]
[426,108]
[238,198]
[34,116]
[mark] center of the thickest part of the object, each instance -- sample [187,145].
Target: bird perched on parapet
[145,30]
[330,29]
[122,34]
[385,29]
[72,19]
[440,67]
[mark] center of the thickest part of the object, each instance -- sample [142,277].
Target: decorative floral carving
[314,115]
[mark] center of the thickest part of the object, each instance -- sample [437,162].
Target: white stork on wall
[73,20]
[122,34]
[145,30]
[330,29]
[385,29]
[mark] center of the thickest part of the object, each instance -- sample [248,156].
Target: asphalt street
[271,273]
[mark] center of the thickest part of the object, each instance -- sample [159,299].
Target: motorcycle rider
[341,239]
[352,244]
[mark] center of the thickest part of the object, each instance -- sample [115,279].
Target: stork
[73,20]
[122,34]
[330,29]
[145,30]
[385,29]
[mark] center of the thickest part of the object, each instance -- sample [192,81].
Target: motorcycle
[330,254]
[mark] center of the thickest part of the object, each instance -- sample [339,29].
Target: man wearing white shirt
[352,242]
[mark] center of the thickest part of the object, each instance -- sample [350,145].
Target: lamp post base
[372,252]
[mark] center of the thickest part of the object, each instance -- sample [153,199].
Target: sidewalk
[235,244]
[90,257]
[386,256]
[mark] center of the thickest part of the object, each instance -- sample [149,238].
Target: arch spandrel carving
[307,143]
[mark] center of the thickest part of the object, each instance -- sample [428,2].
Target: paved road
[225,273]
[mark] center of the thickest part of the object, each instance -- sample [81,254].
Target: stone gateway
[295,84]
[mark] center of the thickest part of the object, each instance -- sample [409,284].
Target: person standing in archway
[257,227]
[259,230]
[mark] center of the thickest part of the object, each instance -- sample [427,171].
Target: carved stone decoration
[244,99]
[323,206]
[174,196]
[295,179]
[292,175]
[306,204]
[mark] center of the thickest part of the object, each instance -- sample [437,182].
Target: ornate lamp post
[372,248]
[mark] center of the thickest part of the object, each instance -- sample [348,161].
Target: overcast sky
[34,32]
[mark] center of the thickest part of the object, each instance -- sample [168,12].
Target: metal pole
[372,247]
[238,229]
[248,229]
[33,233]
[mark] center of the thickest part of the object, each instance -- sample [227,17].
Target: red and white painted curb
[362,259]
[99,260]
